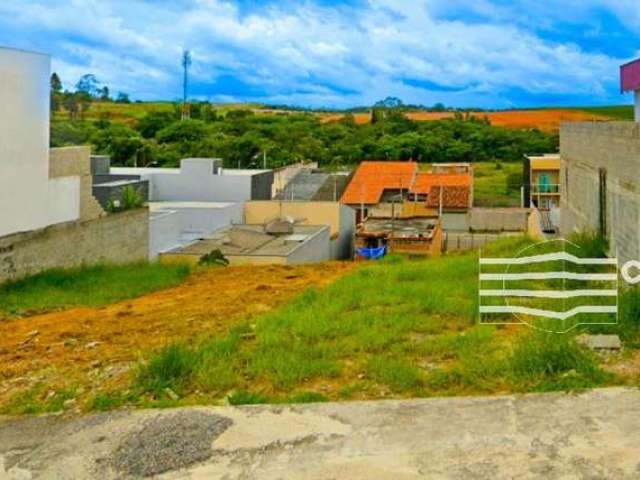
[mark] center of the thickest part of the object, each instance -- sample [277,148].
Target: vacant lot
[391,329]
[49,358]
[497,184]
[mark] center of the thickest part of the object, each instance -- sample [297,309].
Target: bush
[548,361]
[214,257]
[130,198]
[172,368]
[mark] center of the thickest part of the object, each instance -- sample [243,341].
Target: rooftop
[156,206]
[417,227]
[371,179]
[251,240]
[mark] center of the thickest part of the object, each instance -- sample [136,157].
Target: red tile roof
[453,197]
[426,181]
[372,178]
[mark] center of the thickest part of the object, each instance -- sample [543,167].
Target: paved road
[592,435]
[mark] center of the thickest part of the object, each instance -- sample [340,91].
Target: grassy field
[86,286]
[130,113]
[497,184]
[392,329]
[396,328]
[615,112]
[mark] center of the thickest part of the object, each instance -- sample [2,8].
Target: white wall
[24,141]
[175,225]
[195,181]
[63,200]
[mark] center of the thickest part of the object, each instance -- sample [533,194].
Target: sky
[339,54]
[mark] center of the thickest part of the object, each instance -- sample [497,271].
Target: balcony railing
[545,188]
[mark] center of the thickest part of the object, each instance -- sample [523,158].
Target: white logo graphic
[536,292]
[626,272]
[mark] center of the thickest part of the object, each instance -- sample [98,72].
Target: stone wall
[587,148]
[117,238]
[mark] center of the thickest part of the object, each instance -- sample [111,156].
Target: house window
[566,183]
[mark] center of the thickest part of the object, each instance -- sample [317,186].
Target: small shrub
[130,198]
[172,367]
[214,257]
[243,397]
[592,245]
[308,397]
[547,361]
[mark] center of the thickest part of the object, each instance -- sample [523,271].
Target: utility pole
[186,63]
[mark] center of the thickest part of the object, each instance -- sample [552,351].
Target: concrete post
[637,103]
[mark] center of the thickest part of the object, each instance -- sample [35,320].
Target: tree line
[87,90]
[246,139]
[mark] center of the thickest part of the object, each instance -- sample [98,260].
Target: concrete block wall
[586,147]
[69,162]
[117,238]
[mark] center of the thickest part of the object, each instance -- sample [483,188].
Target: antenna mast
[186,63]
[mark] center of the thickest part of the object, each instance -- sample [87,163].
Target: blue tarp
[372,253]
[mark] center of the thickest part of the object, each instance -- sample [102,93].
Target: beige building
[542,181]
[338,217]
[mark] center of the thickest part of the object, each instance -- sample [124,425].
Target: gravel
[169,443]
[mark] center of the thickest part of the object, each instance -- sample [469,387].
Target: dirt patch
[80,346]
[547,120]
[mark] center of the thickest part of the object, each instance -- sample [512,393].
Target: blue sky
[484,53]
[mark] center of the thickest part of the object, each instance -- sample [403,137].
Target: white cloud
[304,53]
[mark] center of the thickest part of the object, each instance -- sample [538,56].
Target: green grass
[87,286]
[397,327]
[615,112]
[497,184]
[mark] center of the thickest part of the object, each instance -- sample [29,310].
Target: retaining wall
[116,238]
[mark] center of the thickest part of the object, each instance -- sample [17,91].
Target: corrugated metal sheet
[630,76]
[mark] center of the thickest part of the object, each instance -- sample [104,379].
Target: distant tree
[389,102]
[123,98]
[438,107]
[56,84]
[186,131]
[153,122]
[377,115]
[56,91]
[71,105]
[104,94]
[89,85]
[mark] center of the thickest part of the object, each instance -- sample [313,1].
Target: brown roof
[372,178]
[453,196]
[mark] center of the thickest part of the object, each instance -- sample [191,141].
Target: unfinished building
[377,237]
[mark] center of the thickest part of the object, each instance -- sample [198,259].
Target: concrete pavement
[592,435]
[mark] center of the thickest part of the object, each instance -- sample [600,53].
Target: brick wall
[117,238]
[585,148]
